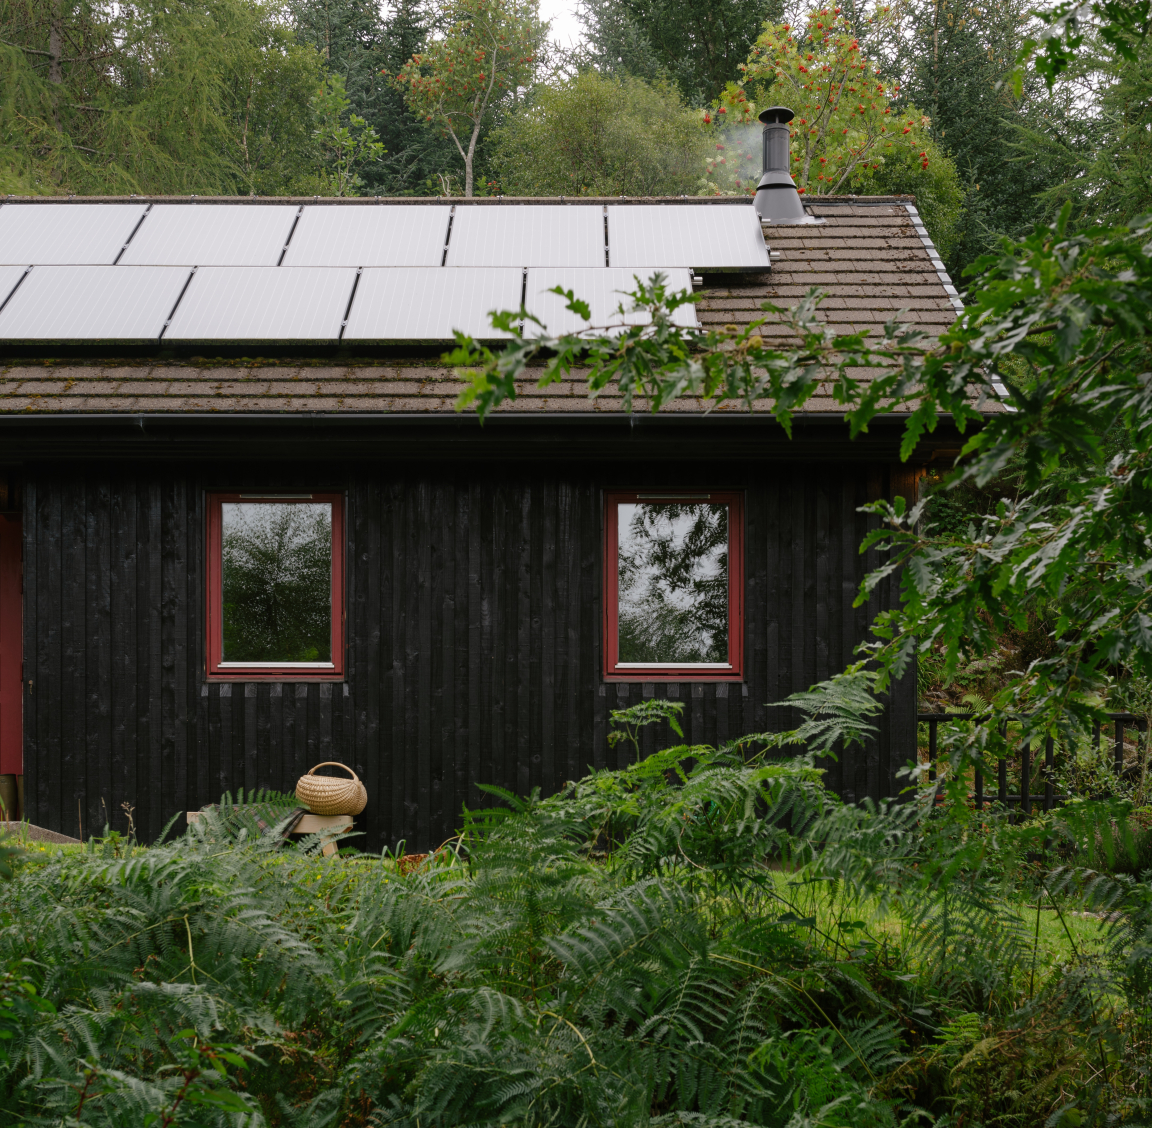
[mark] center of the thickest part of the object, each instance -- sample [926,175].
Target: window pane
[277,579]
[673,582]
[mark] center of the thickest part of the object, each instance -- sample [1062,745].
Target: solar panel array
[603,289]
[391,272]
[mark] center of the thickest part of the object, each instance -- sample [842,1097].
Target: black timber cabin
[243,529]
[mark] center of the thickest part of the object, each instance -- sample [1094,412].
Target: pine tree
[959,59]
[698,44]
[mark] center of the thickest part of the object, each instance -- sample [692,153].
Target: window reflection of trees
[277,582]
[673,595]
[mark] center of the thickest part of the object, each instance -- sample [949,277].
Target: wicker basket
[330,795]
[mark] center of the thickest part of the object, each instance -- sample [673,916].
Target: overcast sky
[565,25]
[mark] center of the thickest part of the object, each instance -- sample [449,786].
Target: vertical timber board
[300,728]
[798,674]
[392,520]
[224,697]
[442,596]
[851,624]
[821,550]
[123,612]
[213,739]
[39,763]
[591,510]
[742,706]
[764,687]
[503,657]
[96,656]
[292,767]
[419,550]
[81,777]
[279,772]
[313,725]
[476,634]
[527,635]
[171,558]
[365,629]
[248,771]
[180,561]
[193,670]
[822,574]
[490,652]
[462,719]
[258,705]
[149,635]
[28,655]
[549,636]
[568,632]
[324,701]
[40,758]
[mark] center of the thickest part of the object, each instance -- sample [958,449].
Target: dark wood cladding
[473,602]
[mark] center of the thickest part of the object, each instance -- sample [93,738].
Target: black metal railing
[1023,800]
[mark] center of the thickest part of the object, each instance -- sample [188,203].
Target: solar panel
[603,289]
[9,276]
[92,303]
[699,236]
[262,303]
[211,235]
[55,233]
[369,235]
[428,304]
[527,235]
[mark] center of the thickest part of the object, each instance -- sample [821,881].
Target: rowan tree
[845,117]
[487,52]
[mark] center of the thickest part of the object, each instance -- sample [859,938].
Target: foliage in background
[597,136]
[363,43]
[705,938]
[696,45]
[1105,158]
[212,97]
[484,54]
[845,117]
[939,189]
[345,148]
[958,58]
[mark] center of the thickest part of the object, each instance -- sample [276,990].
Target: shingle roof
[872,257]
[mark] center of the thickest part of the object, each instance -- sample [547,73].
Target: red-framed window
[674,585]
[275,586]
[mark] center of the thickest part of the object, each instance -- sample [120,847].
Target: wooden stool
[310,824]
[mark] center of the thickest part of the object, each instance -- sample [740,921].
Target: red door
[11,647]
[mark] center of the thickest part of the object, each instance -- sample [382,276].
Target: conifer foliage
[201,98]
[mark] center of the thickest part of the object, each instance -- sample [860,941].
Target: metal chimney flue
[777,200]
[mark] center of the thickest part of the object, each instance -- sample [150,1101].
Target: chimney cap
[780,115]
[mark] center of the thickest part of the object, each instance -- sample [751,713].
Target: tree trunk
[56,47]
[935,56]
[468,157]
[55,51]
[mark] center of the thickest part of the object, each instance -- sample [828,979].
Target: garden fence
[1023,800]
